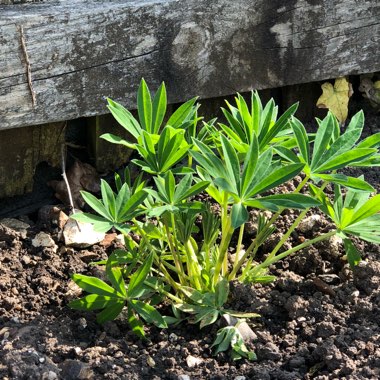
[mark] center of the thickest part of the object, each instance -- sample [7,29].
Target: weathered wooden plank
[81,51]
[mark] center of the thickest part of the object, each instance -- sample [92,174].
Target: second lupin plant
[182,253]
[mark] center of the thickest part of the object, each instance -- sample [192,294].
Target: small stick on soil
[63,163]
[28,69]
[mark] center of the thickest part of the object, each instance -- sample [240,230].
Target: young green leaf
[353,255]
[221,292]
[95,285]
[144,106]
[182,114]
[137,279]
[124,118]
[115,275]
[110,312]
[159,108]
[148,313]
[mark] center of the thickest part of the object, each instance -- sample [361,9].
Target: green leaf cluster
[182,253]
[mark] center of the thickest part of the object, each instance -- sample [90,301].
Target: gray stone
[81,235]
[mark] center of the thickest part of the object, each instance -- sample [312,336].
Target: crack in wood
[28,68]
[99,65]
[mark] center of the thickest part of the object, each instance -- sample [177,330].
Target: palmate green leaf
[239,215]
[124,118]
[137,279]
[192,191]
[231,163]
[117,140]
[322,139]
[144,106]
[235,124]
[326,205]
[148,313]
[245,116]
[286,154]
[268,118]
[136,325]
[95,285]
[301,138]
[280,124]
[222,290]
[367,229]
[108,198]
[208,159]
[122,198]
[195,189]
[96,205]
[159,108]
[169,186]
[344,159]
[112,310]
[130,208]
[371,207]
[92,302]
[263,167]
[276,202]
[354,200]
[172,147]
[277,177]
[211,190]
[352,253]
[346,141]
[209,318]
[256,112]
[182,114]
[231,134]
[115,275]
[249,165]
[372,141]
[372,161]
[349,182]
[194,295]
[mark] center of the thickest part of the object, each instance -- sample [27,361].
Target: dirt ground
[319,320]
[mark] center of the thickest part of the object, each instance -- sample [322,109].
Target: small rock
[25,259]
[297,362]
[183,377]
[16,225]
[75,369]
[240,378]
[269,352]
[335,242]
[246,332]
[150,361]
[50,375]
[309,223]
[82,323]
[193,361]
[119,239]
[173,337]
[81,237]
[44,240]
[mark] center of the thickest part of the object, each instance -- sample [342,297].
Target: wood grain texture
[81,51]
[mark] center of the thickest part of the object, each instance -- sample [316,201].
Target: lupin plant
[182,254]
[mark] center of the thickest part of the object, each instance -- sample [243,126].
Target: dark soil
[319,320]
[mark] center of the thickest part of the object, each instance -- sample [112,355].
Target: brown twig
[28,69]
